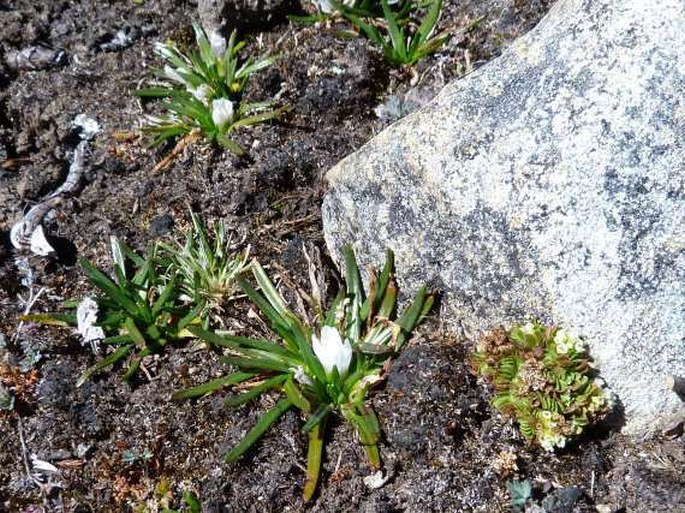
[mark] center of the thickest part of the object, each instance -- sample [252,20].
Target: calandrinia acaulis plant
[543,377]
[206,266]
[402,41]
[203,91]
[136,313]
[321,368]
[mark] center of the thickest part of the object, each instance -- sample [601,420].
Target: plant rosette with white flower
[203,89]
[320,368]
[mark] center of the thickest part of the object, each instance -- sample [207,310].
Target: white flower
[332,351]
[222,112]
[86,317]
[565,341]
[201,92]
[301,376]
[218,43]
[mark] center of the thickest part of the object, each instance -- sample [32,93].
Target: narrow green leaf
[50,319]
[429,22]
[396,33]
[261,364]
[355,295]
[250,68]
[213,385]
[190,317]
[387,307]
[412,316]
[314,457]
[264,305]
[117,340]
[102,282]
[133,367]
[230,145]
[331,316]
[256,391]
[258,430]
[157,92]
[119,354]
[164,297]
[319,415]
[262,117]
[378,288]
[292,391]
[272,295]
[135,333]
[307,20]
[368,429]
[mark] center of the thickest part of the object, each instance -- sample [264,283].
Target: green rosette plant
[206,266]
[323,368]
[136,312]
[543,377]
[202,91]
[402,41]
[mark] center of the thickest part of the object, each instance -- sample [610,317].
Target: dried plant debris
[35,58]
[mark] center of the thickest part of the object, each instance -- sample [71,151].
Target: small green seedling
[206,266]
[130,457]
[203,92]
[521,492]
[543,377]
[320,369]
[402,43]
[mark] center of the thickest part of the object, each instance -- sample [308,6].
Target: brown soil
[118,446]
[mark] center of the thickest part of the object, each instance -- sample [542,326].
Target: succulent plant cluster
[543,377]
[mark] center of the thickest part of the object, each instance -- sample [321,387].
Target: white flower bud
[218,44]
[222,112]
[332,351]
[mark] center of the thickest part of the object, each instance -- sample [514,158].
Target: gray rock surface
[549,183]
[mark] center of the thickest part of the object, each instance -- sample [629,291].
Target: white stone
[551,182]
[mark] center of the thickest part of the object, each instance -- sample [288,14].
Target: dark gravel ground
[129,447]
